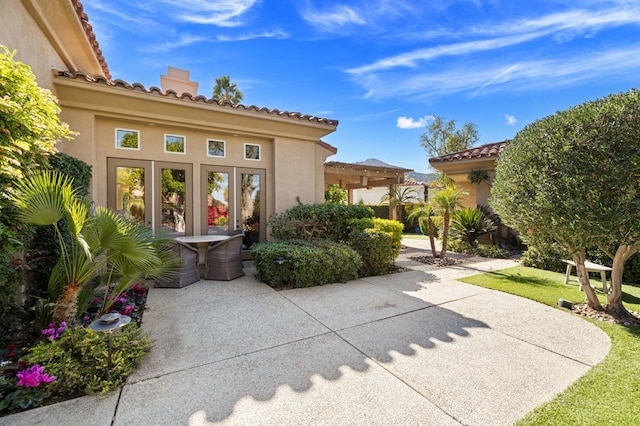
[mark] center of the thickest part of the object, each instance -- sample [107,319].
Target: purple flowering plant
[33,377]
[53,332]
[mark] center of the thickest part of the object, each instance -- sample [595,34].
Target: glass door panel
[128,189]
[173,200]
[217,198]
[251,214]
[217,202]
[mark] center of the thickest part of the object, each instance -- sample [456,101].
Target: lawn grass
[606,394]
[415,236]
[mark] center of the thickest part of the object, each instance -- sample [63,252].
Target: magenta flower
[128,309]
[52,332]
[34,377]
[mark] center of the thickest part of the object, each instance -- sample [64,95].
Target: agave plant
[471,223]
[101,248]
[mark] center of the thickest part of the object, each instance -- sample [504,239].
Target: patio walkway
[416,348]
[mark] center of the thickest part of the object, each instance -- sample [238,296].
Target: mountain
[417,176]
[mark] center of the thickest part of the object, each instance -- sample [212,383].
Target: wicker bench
[590,267]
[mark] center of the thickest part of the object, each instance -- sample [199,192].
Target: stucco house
[459,165]
[167,156]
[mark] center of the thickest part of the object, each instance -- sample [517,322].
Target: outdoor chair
[187,272]
[223,260]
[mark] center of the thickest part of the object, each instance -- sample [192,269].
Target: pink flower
[33,377]
[127,310]
[52,332]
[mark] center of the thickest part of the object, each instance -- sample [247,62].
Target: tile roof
[202,99]
[88,30]
[364,167]
[489,150]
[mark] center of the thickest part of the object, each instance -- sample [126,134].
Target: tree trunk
[445,234]
[432,233]
[66,306]
[583,277]
[614,298]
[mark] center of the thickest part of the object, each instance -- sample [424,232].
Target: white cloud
[511,120]
[481,78]
[183,41]
[334,20]
[277,34]
[411,123]
[223,13]
[560,26]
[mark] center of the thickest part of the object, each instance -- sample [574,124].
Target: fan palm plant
[446,202]
[398,197]
[101,247]
[470,223]
[426,212]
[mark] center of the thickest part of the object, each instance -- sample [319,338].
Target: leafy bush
[545,255]
[375,248]
[78,358]
[483,250]
[316,221]
[308,262]
[394,228]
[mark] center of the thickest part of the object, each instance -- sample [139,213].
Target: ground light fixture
[280,261]
[107,323]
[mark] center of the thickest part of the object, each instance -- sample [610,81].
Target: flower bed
[63,361]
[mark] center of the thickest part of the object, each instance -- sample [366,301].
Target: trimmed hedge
[317,221]
[375,248]
[308,262]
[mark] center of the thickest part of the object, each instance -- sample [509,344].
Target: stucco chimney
[178,79]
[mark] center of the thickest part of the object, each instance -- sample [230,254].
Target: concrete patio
[416,347]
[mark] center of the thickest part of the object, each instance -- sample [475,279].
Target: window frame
[224,148]
[246,145]
[117,140]
[184,144]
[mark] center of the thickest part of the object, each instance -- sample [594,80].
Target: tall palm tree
[100,246]
[426,212]
[446,201]
[397,198]
[225,90]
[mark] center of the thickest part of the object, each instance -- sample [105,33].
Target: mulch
[631,320]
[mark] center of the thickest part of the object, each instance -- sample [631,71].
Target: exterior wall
[372,197]
[293,166]
[23,34]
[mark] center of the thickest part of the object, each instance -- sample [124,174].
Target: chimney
[178,80]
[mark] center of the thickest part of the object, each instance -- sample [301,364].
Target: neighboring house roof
[483,151]
[202,99]
[88,29]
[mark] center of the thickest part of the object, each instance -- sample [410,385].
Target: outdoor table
[590,267]
[201,242]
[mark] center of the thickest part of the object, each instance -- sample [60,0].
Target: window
[251,151]
[174,144]
[127,139]
[215,148]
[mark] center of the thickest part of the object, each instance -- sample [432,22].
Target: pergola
[351,176]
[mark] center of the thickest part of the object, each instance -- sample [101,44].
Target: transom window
[251,151]
[127,139]
[175,144]
[215,148]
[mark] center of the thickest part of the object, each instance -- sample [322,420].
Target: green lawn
[606,394]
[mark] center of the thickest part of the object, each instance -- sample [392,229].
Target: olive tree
[574,177]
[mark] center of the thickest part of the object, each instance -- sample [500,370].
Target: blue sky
[383,68]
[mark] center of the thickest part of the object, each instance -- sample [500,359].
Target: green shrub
[394,228]
[308,262]
[375,248]
[484,250]
[78,358]
[545,255]
[316,221]
[456,245]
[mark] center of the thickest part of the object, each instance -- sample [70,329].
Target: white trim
[127,130]
[224,148]
[259,151]
[184,144]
